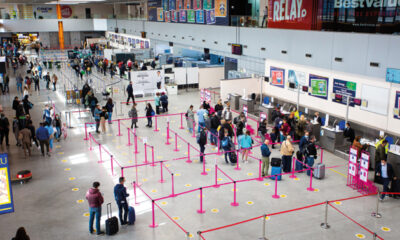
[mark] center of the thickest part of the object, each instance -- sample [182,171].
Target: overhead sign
[290,14]
[297,77]
[6,197]
[66,11]
[319,86]
[345,89]
[277,77]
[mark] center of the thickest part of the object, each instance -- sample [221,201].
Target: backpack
[153,113]
[202,138]
[226,142]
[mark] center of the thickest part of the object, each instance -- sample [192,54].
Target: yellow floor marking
[338,203]
[214,210]
[60,153]
[177,174]
[360,236]
[333,170]
[80,201]
[67,169]
[283,196]
[64,160]
[385,229]
[250,174]
[188,185]
[86,214]
[75,189]
[72,178]
[176,218]
[249,202]
[164,203]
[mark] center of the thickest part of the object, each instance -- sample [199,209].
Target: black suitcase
[233,157]
[111,222]
[276,162]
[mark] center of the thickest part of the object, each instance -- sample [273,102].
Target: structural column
[60,27]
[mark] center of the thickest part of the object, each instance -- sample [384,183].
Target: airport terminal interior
[199,119]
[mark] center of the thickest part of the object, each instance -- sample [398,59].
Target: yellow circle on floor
[237,189]
[86,214]
[64,160]
[386,229]
[195,161]
[71,178]
[219,179]
[164,203]
[67,169]
[198,196]
[61,153]
[188,185]
[297,179]
[177,174]
[167,165]
[360,236]
[154,190]
[159,157]
[80,201]
[144,180]
[190,235]
[283,196]
[75,189]
[176,218]
[249,202]
[214,210]
[109,134]
[250,174]
[58,146]
[316,190]
[267,184]
[208,170]
[338,203]
[130,161]
[267,218]
[125,153]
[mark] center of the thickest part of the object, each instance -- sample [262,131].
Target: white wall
[210,77]
[252,85]
[48,25]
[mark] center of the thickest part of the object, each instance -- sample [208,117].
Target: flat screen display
[305,88]
[393,75]
[237,49]
[357,101]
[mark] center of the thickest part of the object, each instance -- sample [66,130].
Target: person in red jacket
[95,200]
[285,129]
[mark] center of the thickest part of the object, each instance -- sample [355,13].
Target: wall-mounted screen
[393,75]
[237,49]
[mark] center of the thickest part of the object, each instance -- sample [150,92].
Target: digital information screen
[6,198]
[237,49]
[393,75]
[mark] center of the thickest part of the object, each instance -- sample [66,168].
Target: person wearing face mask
[349,133]
[304,141]
[384,174]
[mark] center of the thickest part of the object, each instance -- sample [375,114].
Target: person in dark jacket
[349,133]
[265,153]
[164,102]
[27,104]
[120,195]
[240,122]
[384,174]
[262,129]
[129,90]
[4,129]
[380,152]
[213,128]
[95,200]
[85,90]
[109,107]
[225,125]
[21,234]
[149,114]
[310,153]
[42,134]
[304,142]
[206,106]
[219,108]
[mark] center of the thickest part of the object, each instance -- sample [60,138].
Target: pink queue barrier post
[153,224]
[188,159]
[90,142]
[152,157]
[101,157]
[310,188]
[293,169]
[201,210]
[237,163]
[119,128]
[161,173]
[322,154]
[260,177]
[173,185]
[145,153]
[176,143]
[136,142]
[86,133]
[194,130]
[234,203]
[112,165]
[129,138]
[134,192]
[204,165]
[122,171]
[276,196]
[219,145]
[168,128]
[216,176]
[167,142]
[156,127]
[181,127]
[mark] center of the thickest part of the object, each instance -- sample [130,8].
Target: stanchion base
[189,161]
[137,204]
[90,149]
[86,139]
[181,128]
[201,211]
[292,176]
[139,184]
[219,154]
[156,130]
[100,161]
[376,215]
[176,150]
[216,186]
[153,226]
[161,181]
[234,204]
[237,168]
[325,226]
[260,179]
[167,143]
[153,165]
[204,173]
[129,144]
[310,189]
[119,135]
[275,196]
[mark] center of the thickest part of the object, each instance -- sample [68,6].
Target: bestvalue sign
[366,3]
[290,14]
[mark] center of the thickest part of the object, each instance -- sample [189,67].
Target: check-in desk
[234,100]
[248,102]
[268,110]
[330,139]
[316,130]
[394,159]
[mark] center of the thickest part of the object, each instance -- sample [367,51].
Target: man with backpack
[214,124]
[310,153]
[202,141]
[265,153]
[120,195]
[227,145]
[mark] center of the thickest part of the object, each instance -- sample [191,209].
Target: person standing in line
[25,138]
[57,125]
[202,141]
[214,124]
[19,83]
[109,107]
[95,200]
[287,150]
[384,174]
[219,108]
[33,134]
[164,101]
[42,134]
[227,145]
[4,129]
[157,102]
[16,130]
[245,143]
[133,114]
[149,114]
[48,80]
[21,234]
[6,87]
[50,128]
[54,80]
[200,117]
[304,142]
[103,118]
[265,153]
[97,112]
[310,153]
[265,18]
[190,118]
[240,122]
[129,90]
[120,195]
[285,130]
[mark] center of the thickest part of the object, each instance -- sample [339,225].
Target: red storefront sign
[291,14]
[66,11]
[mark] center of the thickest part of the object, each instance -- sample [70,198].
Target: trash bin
[234,100]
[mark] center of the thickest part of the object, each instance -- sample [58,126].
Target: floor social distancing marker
[316,190]
[67,169]
[164,203]
[338,203]
[144,180]
[267,184]
[72,178]
[177,174]
[250,174]
[176,218]
[297,179]
[64,160]
[188,185]
[86,214]
[283,196]
[360,236]
[385,229]
[249,202]
[154,190]
[267,218]
[60,153]
[215,210]
[80,201]
[75,189]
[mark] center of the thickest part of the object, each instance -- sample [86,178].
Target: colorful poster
[197,4]
[6,197]
[187,4]
[220,8]
[182,16]
[174,16]
[297,77]
[199,16]
[364,164]
[352,162]
[167,15]
[160,14]
[290,14]
[191,16]
[207,94]
[277,77]
[179,4]
[202,96]
[344,88]
[164,5]
[396,105]
[141,44]
[207,4]
[319,86]
[210,16]
[172,5]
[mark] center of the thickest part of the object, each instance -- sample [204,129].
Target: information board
[364,164]
[344,88]
[353,162]
[318,86]
[6,197]
[396,105]
[277,77]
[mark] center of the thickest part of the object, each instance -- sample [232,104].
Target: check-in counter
[268,110]
[248,102]
[316,130]
[394,159]
[330,139]
[234,101]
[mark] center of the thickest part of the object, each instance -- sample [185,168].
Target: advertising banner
[290,14]
[352,162]
[197,4]
[6,197]
[200,16]
[319,86]
[160,14]
[210,16]
[179,4]
[220,8]
[207,95]
[207,4]
[182,16]
[165,5]
[191,18]
[187,4]
[344,88]
[174,16]
[152,12]
[277,77]
[45,11]
[202,96]
[397,105]
[167,15]
[297,78]
[146,80]
[172,5]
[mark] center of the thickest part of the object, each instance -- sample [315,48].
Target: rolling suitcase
[276,162]
[111,222]
[131,216]
[275,171]
[299,165]
[319,171]
[233,157]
